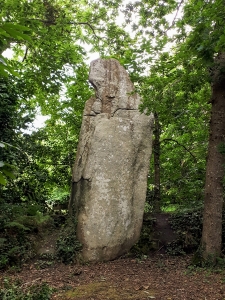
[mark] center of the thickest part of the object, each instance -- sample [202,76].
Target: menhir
[112,164]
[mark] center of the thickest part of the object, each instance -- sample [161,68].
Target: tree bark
[156,151]
[215,168]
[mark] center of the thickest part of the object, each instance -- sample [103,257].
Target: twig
[172,140]
[174,19]
[25,54]
[70,23]
[159,248]
[31,282]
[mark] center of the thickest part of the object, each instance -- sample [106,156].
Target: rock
[111,166]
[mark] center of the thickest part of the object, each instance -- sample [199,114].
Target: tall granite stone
[112,162]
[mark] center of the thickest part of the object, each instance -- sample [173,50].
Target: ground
[155,277]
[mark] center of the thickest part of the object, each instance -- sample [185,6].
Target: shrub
[14,291]
[68,246]
[188,227]
[14,247]
[16,222]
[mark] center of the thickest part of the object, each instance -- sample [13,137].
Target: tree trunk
[215,168]
[156,151]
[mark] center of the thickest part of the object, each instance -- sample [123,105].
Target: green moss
[107,291]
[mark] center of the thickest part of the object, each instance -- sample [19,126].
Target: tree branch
[174,19]
[25,54]
[172,140]
[50,22]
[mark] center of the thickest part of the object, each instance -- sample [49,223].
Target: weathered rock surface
[111,167]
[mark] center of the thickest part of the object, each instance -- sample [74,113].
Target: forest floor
[155,277]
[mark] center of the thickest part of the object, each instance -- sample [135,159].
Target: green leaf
[2,145]
[200,48]
[16,224]
[4,33]
[3,70]
[18,35]
[8,173]
[2,179]
[172,71]
[12,71]
[25,37]
[1,164]
[16,27]
[2,60]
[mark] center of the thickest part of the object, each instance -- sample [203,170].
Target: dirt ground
[155,277]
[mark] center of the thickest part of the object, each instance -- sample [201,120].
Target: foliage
[15,246]
[17,222]
[10,32]
[58,32]
[146,242]
[191,51]
[183,139]
[187,225]
[9,116]
[68,246]
[53,78]
[15,291]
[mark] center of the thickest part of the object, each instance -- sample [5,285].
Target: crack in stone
[127,109]
[88,179]
[112,115]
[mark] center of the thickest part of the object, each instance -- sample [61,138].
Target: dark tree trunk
[156,151]
[215,168]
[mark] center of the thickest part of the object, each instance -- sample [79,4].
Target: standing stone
[111,167]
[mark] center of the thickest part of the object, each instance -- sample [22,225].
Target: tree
[210,51]
[215,168]
[49,39]
[178,95]
[8,113]
[199,39]
[156,152]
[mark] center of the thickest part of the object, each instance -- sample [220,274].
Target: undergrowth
[21,223]
[17,223]
[16,291]
[188,227]
[68,247]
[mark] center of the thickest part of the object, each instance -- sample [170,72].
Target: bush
[186,224]
[68,246]
[188,227]
[14,291]
[14,248]
[146,242]
[16,222]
